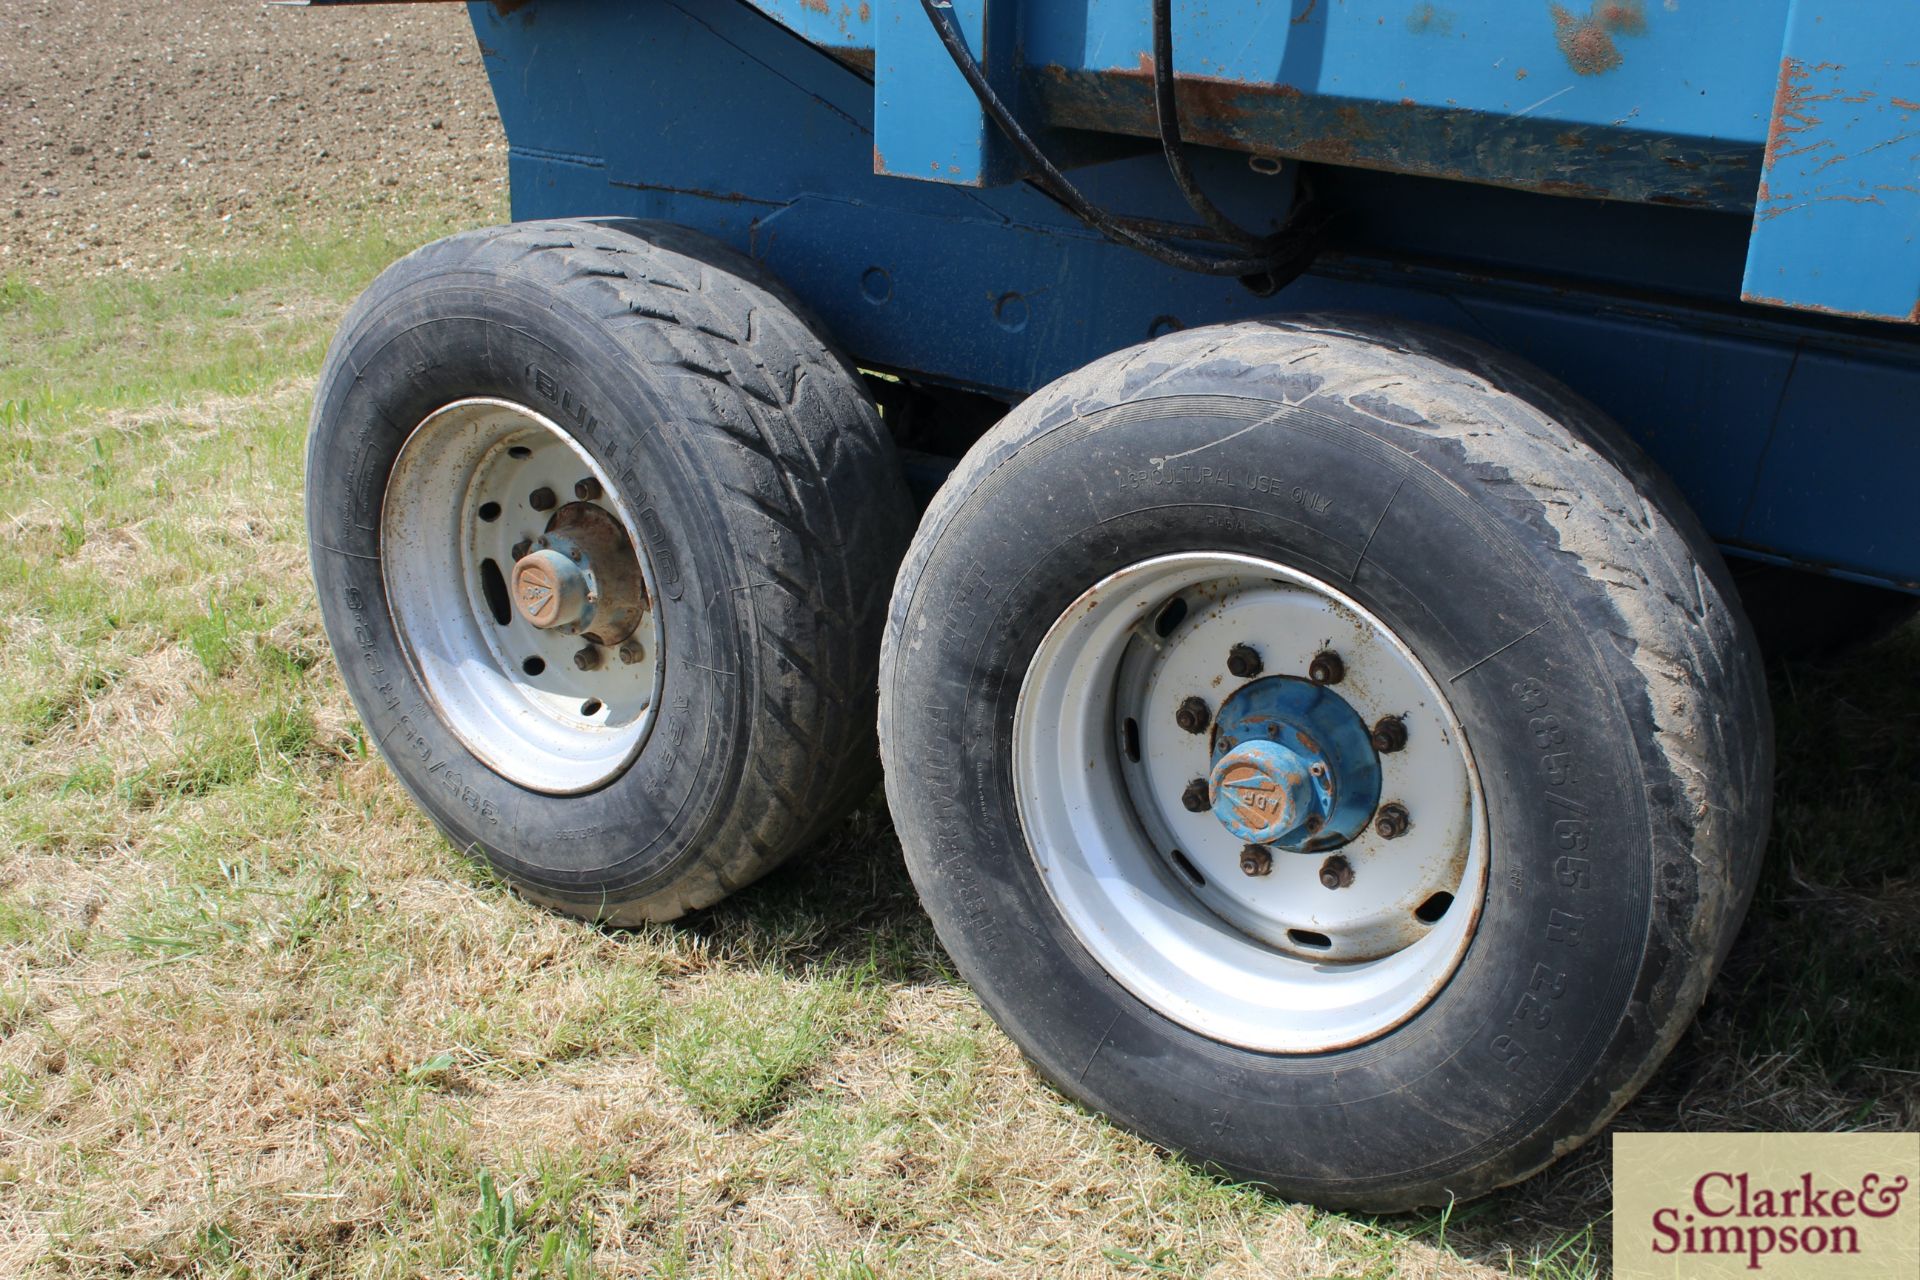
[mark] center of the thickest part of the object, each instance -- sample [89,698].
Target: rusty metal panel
[1645,100]
[1836,224]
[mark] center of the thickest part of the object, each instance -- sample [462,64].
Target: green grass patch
[739,1048]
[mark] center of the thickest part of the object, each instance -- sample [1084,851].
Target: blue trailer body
[1701,214]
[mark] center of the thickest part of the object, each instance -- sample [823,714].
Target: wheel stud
[1392,822]
[1193,715]
[1326,668]
[542,499]
[632,651]
[587,658]
[1336,872]
[1390,734]
[587,490]
[521,548]
[1243,661]
[1195,798]
[1255,861]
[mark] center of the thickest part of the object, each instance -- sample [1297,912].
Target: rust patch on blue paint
[1586,40]
[1279,120]
[1429,19]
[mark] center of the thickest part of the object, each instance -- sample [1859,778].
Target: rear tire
[1422,493]
[758,494]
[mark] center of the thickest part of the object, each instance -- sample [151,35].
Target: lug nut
[633,651]
[1255,860]
[1196,797]
[1336,872]
[542,499]
[587,659]
[1243,661]
[1390,734]
[1193,715]
[1392,822]
[587,490]
[1326,668]
[521,548]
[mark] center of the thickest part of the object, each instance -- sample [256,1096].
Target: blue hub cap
[1293,766]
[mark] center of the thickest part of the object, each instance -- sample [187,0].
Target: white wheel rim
[1229,955]
[462,495]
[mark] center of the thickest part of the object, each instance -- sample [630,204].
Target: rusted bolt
[633,651]
[1336,872]
[521,548]
[1196,797]
[1392,821]
[587,490]
[1326,668]
[1390,734]
[1255,860]
[1193,715]
[542,499]
[587,658]
[1243,661]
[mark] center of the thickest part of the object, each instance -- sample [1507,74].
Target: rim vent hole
[489,511]
[1170,617]
[1130,735]
[591,707]
[519,451]
[494,587]
[1308,938]
[1185,864]
[534,666]
[1430,911]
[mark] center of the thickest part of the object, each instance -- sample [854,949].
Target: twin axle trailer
[1284,484]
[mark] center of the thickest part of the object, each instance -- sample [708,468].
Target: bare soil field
[130,130]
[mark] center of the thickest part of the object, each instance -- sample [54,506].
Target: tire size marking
[1300,495]
[1535,1006]
[942,777]
[369,652]
[937,771]
[1572,870]
[451,779]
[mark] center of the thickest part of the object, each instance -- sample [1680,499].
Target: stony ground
[130,129]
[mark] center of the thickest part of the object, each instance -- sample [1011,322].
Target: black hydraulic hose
[1168,112]
[1295,260]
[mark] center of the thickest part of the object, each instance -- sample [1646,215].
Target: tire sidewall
[1472,1087]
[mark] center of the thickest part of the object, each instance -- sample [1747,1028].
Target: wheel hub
[1292,766]
[549,589]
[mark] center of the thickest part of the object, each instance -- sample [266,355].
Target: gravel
[131,132]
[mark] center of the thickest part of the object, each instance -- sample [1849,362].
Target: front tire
[1556,606]
[601,531]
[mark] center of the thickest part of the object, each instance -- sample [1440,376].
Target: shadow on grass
[1813,1025]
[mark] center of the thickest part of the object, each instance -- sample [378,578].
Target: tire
[749,479]
[1513,544]
[1801,616]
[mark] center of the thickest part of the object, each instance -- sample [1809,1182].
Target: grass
[258,1019]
